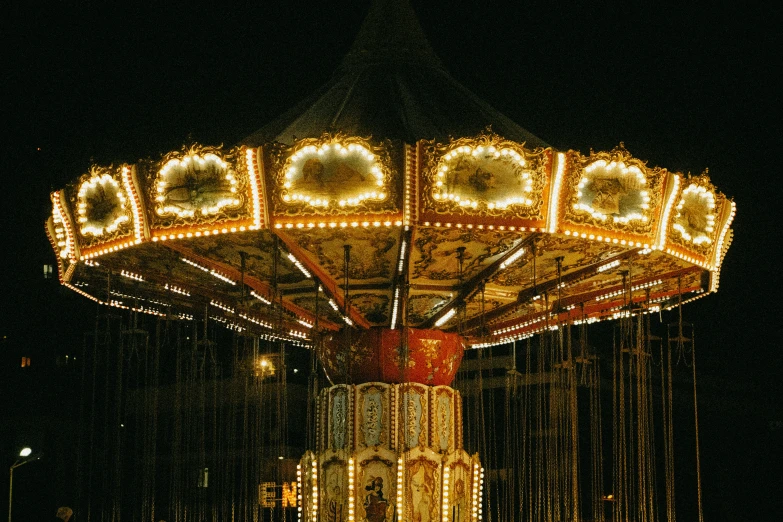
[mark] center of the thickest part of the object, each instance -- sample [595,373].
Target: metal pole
[10,491]
[11,481]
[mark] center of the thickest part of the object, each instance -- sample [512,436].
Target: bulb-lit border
[337,147]
[103,179]
[703,193]
[509,155]
[527,207]
[203,161]
[632,171]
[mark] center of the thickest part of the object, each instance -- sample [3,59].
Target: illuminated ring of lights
[87,194]
[200,164]
[696,195]
[624,172]
[486,153]
[352,152]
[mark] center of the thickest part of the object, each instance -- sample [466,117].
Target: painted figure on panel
[424,506]
[374,502]
[334,507]
[334,494]
[458,501]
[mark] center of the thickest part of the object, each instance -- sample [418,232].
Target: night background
[685,88]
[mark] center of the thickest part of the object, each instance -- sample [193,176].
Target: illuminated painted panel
[102,204]
[484,177]
[694,217]
[195,185]
[613,191]
[341,173]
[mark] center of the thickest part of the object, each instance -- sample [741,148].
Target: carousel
[388,227]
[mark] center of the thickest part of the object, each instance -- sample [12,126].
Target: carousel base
[389,452]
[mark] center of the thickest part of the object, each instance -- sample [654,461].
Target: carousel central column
[390,448]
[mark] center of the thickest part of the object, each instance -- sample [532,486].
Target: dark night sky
[685,88]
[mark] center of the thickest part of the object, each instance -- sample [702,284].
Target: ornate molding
[484,177]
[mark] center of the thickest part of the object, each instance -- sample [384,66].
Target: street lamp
[26,452]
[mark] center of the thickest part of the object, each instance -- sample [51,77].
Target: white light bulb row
[401,261]
[258,322]
[199,233]
[395,308]
[634,288]
[177,290]
[508,329]
[336,308]
[512,258]
[721,241]
[299,493]
[589,320]
[299,265]
[131,275]
[314,492]
[667,212]
[304,323]
[616,241]
[471,226]
[481,494]
[608,266]
[260,297]
[114,302]
[213,273]
[699,294]
[618,165]
[475,501]
[351,491]
[445,502]
[63,231]
[228,324]
[137,298]
[222,306]
[332,224]
[685,257]
[489,152]
[400,488]
[297,334]
[116,247]
[254,184]
[554,201]
[446,317]
[138,230]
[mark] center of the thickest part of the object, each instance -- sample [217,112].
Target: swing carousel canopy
[392,197]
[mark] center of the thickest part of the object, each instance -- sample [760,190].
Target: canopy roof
[391,85]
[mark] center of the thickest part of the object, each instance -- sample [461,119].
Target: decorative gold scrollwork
[333,175]
[693,222]
[101,206]
[199,185]
[486,176]
[614,191]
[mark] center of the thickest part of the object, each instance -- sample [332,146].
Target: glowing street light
[24,454]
